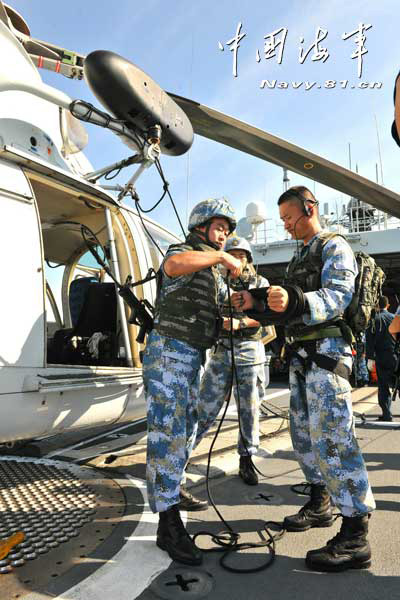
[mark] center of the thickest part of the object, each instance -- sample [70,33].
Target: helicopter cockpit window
[162,239]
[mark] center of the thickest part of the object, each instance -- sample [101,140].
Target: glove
[371,364]
[296,307]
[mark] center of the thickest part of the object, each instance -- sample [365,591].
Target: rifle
[140,314]
[141,310]
[396,373]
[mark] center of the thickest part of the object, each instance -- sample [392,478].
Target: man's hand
[227,324]
[278,298]
[371,364]
[242,300]
[232,264]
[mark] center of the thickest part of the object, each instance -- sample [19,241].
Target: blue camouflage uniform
[321,418]
[171,376]
[360,364]
[215,385]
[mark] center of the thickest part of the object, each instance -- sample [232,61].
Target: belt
[239,334]
[319,334]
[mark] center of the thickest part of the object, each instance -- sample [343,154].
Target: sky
[178,43]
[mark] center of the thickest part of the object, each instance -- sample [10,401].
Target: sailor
[319,286]
[186,324]
[381,351]
[218,376]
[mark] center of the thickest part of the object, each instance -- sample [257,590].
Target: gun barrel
[139,313]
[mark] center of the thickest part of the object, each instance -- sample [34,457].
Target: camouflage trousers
[215,385]
[323,437]
[361,371]
[171,376]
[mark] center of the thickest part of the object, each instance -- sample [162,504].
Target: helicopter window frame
[163,238]
[54,307]
[62,208]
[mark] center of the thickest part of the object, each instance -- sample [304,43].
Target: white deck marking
[232,407]
[132,568]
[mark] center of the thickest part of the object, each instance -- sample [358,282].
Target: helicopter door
[22,298]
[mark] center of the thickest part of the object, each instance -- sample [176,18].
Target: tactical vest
[305,270]
[191,313]
[246,333]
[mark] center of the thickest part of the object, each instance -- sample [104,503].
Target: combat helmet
[211,209]
[237,243]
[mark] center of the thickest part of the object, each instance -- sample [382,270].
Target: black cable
[303,489]
[107,175]
[85,230]
[228,541]
[295,235]
[90,109]
[149,210]
[53,266]
[265,408]
[135,198]
[89,205]
[166,187]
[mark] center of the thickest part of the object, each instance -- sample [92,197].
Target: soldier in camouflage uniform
[186,321]
[318,288]
[217,378]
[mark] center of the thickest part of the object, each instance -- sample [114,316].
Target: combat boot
[317,512]
[349,549]
[246,470]
[174,539]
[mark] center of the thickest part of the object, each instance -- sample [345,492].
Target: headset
[307,210]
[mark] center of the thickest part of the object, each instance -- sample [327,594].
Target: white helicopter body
[42,191]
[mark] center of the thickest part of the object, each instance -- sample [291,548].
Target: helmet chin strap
[204,236]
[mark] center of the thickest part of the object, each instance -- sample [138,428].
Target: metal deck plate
[66,513]
[182,583]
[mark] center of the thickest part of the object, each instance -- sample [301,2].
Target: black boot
[349,549]
[189,502]
[246,470]
[317,512]
[174,539]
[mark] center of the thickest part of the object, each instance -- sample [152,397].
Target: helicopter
[74,362]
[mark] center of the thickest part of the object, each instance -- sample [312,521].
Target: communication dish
[256,213]
[132,95]
[244,229]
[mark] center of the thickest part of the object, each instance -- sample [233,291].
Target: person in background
[380,349]
[249,362]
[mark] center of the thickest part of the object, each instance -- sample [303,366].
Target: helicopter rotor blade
[237,134]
